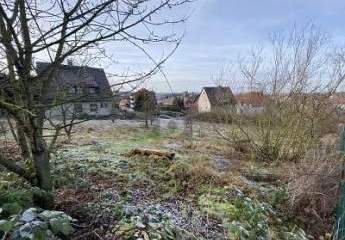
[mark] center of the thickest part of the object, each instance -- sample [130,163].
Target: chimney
[69,62]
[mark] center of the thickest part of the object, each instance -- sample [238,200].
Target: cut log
[147,152]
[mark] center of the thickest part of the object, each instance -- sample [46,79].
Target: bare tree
[60,29]
[68,117]
[298,74]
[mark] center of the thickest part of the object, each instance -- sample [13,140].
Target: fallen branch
[11,166]
[147,152]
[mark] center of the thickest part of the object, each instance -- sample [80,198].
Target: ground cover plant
[263,168]
[208,191]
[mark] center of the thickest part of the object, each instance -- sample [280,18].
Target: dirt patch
[76,203]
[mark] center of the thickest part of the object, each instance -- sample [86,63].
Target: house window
[78,107]
[93,107]
[104,105]
[92,90]
[79,90]
[36,97]
[73,90]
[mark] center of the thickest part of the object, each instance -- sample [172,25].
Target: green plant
[267,152]
[277,196]
[244,218]
[148,222]
[12,201]
[37,224]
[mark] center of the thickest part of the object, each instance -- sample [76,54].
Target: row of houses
[177,102]
[212,99]
[215,98]
[91,93]
[251,103]
[88,91]
[208,100]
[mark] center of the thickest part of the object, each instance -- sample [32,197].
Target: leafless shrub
[297,75]
[215,117]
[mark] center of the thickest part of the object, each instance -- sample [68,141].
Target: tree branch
[13,167]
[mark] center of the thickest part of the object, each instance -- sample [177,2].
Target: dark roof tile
[83,77]
[220,96]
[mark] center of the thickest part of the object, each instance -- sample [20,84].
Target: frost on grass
[193,196]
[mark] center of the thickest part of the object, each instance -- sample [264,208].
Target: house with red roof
[250,103]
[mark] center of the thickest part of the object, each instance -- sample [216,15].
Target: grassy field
[208,191]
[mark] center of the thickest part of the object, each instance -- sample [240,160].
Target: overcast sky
[219,31]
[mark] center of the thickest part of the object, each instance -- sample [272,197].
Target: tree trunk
[68,132]
[12,128]
[44,199]
[41,159]
[42,167]
[146,121]
[69,137]
[22,142]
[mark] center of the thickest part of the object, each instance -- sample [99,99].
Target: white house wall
[204,104]
[56,112]
[101,111]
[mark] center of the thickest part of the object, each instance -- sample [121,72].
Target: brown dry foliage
[197,173]
[10,150]
[313,191]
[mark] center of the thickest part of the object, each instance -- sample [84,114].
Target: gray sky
[219,31]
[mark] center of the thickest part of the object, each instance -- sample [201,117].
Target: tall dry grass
[313,188]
